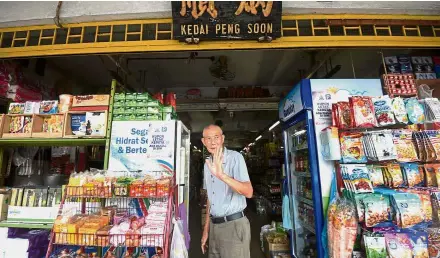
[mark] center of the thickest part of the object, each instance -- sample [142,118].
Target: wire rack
[92,200]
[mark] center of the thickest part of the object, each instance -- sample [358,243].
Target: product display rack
[82,201]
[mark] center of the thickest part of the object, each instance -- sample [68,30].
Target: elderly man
[226,180]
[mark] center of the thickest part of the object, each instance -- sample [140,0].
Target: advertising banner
[142,147]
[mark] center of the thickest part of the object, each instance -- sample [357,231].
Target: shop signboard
[324,93]
[227,20]
[142,147]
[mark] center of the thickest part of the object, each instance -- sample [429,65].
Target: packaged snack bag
[433,242]
[376,210]
[352,150]
[395,175]
[376,175]
[406,151]
[408,206]
[383,111]
[384,148]
[416,111]
[434,139]
[399,110]
[398,245]
[363,112]
[413,177]
[359,178]
[344,114]
[430,174]
[419,242]
[375,246]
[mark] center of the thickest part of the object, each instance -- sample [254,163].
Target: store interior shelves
[302,174]
[242,104]
[44,142]
[304,200]
[16,224]
[307,226]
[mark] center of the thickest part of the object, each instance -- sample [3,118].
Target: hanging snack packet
[360,178]
[434,139]
[408,206]
[431,174]
[335,120]
[360,207]
[383,111]
[352,150]
[344,114]
[413,177]
[429,148]
[383,145]
[376,210]
[399,110]
[398,245]
[395,175]
[419,242]
[433,242]
[416,111]
[420,148]
[363,112]
[375,246]
[405,148]
[376,175]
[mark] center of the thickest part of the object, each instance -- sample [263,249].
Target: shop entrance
[238,90]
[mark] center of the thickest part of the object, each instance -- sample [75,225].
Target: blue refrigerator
[304,113]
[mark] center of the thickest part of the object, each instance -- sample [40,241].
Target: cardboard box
[5,198]
[271,250]
[91,100]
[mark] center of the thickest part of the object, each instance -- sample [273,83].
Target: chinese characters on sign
[226,19]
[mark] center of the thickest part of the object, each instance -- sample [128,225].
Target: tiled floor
[256,222]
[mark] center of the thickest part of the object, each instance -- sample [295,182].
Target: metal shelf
[6,224]
[300,148]
[304,200]
[51,142]
[307,226]
[301,174]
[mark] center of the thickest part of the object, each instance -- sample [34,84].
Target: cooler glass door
[300,176]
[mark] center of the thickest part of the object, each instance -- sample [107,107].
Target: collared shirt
[223,199]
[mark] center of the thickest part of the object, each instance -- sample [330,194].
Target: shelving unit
[8,224]
[306,226]
[304,200]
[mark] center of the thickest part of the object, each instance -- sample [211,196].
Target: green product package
[141,110]
[375,247]
[130,117]
[118,117]
[130,110]
[130,96]
[153,103]
[119,96]
[143,96]
[119,103]
[119,110]
[141,117]
[131,103]
[153,110]
[168,109]
[142,103]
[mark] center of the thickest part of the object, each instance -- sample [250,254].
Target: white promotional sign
[142,147]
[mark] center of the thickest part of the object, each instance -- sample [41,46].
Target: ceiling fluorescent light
[258,138]
[274,125]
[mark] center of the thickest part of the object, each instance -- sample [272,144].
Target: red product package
[335,121]
[344,115]
[362,114]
